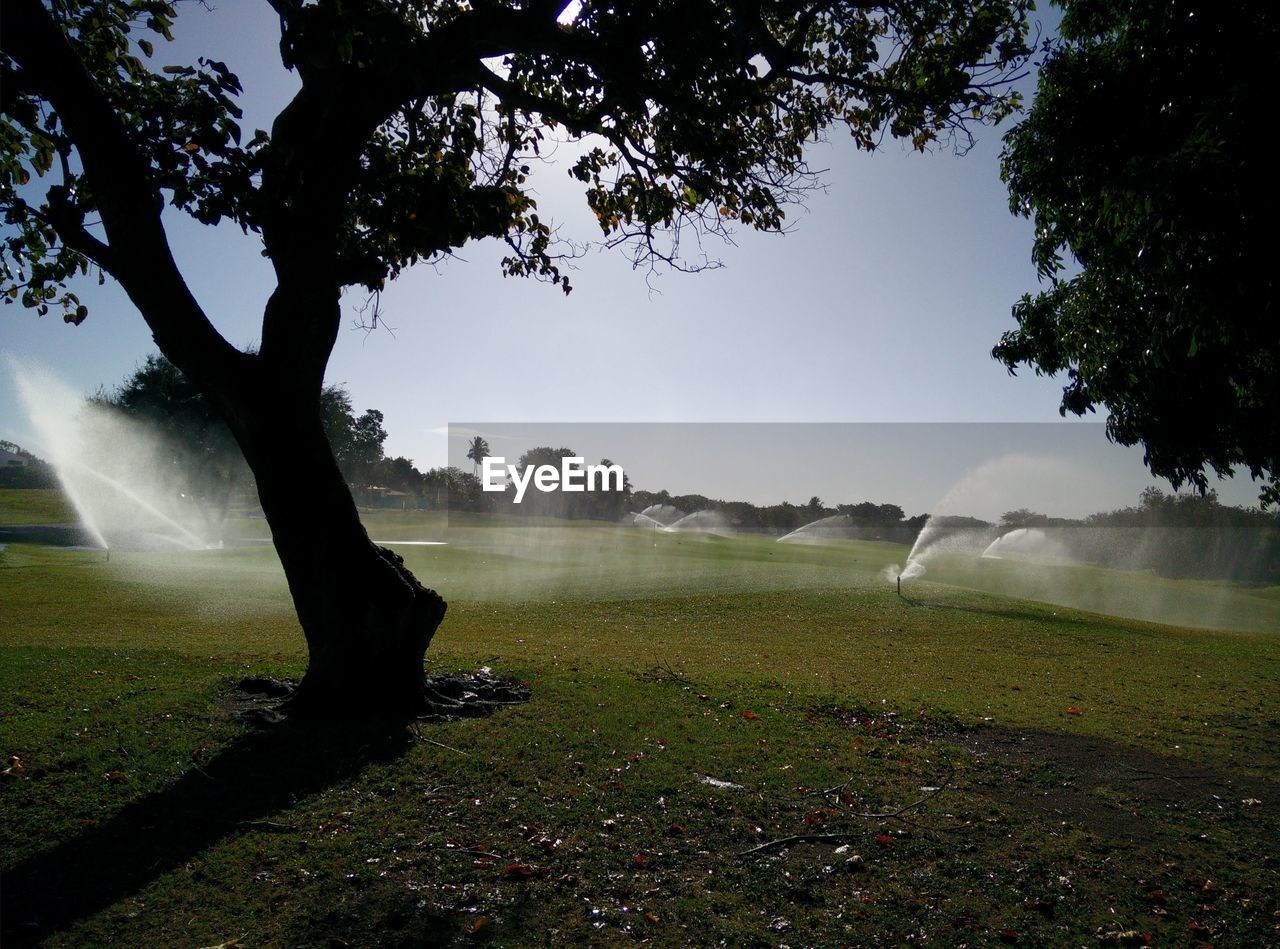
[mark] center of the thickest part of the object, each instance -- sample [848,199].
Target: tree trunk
[366,618]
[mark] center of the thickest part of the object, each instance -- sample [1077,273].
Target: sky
[881,305]
[981,469]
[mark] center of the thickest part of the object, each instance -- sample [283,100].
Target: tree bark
[366,618]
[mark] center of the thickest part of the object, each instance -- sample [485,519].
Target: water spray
[109,467]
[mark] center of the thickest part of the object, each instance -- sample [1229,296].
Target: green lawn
[34,506]
[1094,772]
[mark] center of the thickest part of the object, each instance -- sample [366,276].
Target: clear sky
[882,304]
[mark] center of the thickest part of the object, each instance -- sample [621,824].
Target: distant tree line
[1173,535]
[199,449]
[604,503]
[1177,535]
[880,521]
[207,464]
[32,473]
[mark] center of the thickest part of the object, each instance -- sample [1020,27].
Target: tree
[869,513]
[412,134]
[356,441]
[544,503]
[454,489]
[399,474]
[604,500]
[477,451]
[1148,165]
[199,449]
[608,501]
[367,436]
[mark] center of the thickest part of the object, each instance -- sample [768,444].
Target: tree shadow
[1114,790]
[388,916]
[255,777]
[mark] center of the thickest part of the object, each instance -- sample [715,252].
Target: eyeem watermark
[574,474]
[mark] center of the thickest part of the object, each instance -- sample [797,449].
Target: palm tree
[477,451]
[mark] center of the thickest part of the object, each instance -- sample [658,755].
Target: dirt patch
[1108,788]
[885,724]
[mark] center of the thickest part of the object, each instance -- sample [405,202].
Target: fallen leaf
[1073,710]
[639,860]
[1204,886]
[750,715]
[1007,935]
[480,923]
[718,783]
[518,871]
[116,777]
[884,840]
[1125,937]
[546,843]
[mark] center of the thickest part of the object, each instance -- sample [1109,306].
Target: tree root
[443,697]
[464,695]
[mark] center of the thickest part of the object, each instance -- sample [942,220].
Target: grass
[1093,770]
[1216,604]
[34,506]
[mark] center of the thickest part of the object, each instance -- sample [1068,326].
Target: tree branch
[137,251]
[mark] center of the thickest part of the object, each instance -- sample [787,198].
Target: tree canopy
[194,443]
[201,449]
[417,122]
[477,451]
[1148,165]
[415,131]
